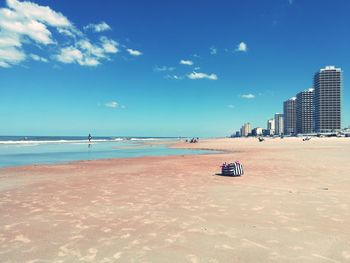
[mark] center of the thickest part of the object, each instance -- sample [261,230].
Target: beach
[291,205]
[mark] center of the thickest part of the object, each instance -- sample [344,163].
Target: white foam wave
[31,142]
[144,139]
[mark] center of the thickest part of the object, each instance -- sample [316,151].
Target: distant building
[290,116]
[266,132]
[257,131]
[246,130]
[279,124]
[270,127]
[327,99]
[305,112]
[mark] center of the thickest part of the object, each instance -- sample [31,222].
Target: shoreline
[173,145]
[291,205]
[136,145]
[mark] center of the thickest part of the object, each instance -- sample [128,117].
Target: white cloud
[89,49]
[69,32]
[213,51]
[23,23]
[9,40]
[86,53]
[163,68]
[199,75]
[38,58]
[231,106]
[4,64]
[242,47]
[72,54]
[69,55]
[112,104]
[13,23]
[176,77]
[186,62]
[109,45]
[10,56]
[90,62]
[248,96]
[39,13]
[133,52]
[103,26]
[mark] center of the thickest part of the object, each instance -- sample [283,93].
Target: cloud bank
[248,96]
[163,68]
[199,75]
[133,52]
[103,26]
[186,62]
[114,105]
[24,24]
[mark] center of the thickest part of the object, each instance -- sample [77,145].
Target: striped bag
[232,169]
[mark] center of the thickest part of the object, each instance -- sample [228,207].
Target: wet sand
[292,205]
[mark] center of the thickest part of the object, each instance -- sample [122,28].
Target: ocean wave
[145,139]
[31,141]
[36,142]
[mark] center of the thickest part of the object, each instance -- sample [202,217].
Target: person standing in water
[89,137]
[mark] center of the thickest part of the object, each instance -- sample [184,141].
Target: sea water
[20,150]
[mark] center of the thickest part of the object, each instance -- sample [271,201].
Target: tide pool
[55,152]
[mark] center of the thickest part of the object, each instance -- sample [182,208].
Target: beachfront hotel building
[271,127]
[279,124]
[304,112]
[327,99]
[257,131]
[246,130]
[290,118]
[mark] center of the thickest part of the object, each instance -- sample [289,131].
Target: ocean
[30,150]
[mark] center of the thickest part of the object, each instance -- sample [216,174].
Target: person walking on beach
[89,137]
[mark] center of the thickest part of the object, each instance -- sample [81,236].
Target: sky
[160,67]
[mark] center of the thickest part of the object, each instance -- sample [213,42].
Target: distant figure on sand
[89,137]
[261,139]
[193,140]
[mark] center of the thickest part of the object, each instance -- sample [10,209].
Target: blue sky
[162,68]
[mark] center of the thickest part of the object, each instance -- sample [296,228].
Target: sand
[292,205]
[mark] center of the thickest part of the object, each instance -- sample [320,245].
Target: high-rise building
[327,99]
[257,131]
[271,127]
[246,130]
[305,111]
[290,118]
[279,124]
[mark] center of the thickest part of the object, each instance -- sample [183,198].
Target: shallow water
[18,154]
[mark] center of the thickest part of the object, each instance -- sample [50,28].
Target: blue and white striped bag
[232,169]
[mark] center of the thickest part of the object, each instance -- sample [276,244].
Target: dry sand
[292,205]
